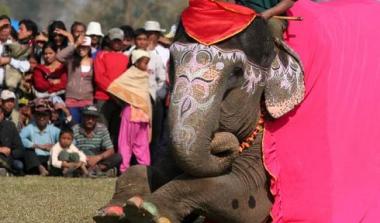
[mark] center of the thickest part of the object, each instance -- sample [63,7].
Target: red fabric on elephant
[222,20]
[324,157]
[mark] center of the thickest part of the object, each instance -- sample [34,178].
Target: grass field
[35,199]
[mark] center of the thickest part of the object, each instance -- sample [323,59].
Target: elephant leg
[238,197]
[136,181]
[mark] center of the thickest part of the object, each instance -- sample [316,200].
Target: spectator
[79,90]
[27,31]
[157,87]
[132,87]
[108,66]
[6,57]
[41,39]
[50,79]
[94,140]
[60,116]
[26,83]
[65,158]
[38,138]
[8,102]
[25,113]
[154,33]
[94,30]
[11,150]
[129,39]
[58,35]
[78,29]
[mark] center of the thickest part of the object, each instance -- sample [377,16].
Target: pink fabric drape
[325,155]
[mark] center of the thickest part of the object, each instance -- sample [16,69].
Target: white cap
[94,28]
[7,94]
[153,26]
[137,54]
[86,41]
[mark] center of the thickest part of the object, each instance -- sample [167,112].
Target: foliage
[109,12]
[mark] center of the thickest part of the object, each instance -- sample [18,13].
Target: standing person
[132,87]
[11,150]
[5,56]
[8,103]
[108,66]
[27,31]
[94,31]
[38,138]
[268,9]
[78,29]
[94,140]
[59,36]
[50,79]
[157,87]
[129,39]
[79,89]
[65,157]
[154,33]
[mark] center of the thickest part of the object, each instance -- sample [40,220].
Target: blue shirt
[31,135]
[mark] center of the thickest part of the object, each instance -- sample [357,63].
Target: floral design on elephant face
[196,78]
[199,70]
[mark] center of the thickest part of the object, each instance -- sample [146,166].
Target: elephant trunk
[199,150]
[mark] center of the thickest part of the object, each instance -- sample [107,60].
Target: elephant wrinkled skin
[217,97]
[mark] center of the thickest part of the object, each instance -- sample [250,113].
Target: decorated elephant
[221,93]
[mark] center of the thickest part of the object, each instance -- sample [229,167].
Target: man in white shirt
[5,32]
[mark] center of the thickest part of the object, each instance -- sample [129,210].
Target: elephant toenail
[252,202]
[235,204]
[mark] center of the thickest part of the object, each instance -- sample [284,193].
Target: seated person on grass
[65,158]
[38,138]
[94,140]
[11,150]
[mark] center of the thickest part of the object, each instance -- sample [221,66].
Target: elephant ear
[284,85]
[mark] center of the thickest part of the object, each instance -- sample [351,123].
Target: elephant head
[218,91]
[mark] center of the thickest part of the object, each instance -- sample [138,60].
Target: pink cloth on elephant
[325,156]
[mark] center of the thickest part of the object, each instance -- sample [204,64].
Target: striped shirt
[95,143]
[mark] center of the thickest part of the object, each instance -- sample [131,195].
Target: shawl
[132,87]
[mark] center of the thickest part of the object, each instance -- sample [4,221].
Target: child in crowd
[65,158]
[132,87]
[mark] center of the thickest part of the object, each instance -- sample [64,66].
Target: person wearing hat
[94,31]
[79,88]
[154,33]
[94,140]
[8,102]
[38,137]
[108,66]
[132,88]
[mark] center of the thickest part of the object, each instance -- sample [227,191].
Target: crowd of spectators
[80,101]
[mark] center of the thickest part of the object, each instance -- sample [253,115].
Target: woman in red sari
[50,79]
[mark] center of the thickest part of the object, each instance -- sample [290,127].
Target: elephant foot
[110,214]
[137,210]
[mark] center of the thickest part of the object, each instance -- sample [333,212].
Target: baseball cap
[91,110]
[7,94]
[115,33]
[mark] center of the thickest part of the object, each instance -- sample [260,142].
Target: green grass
[34,199]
